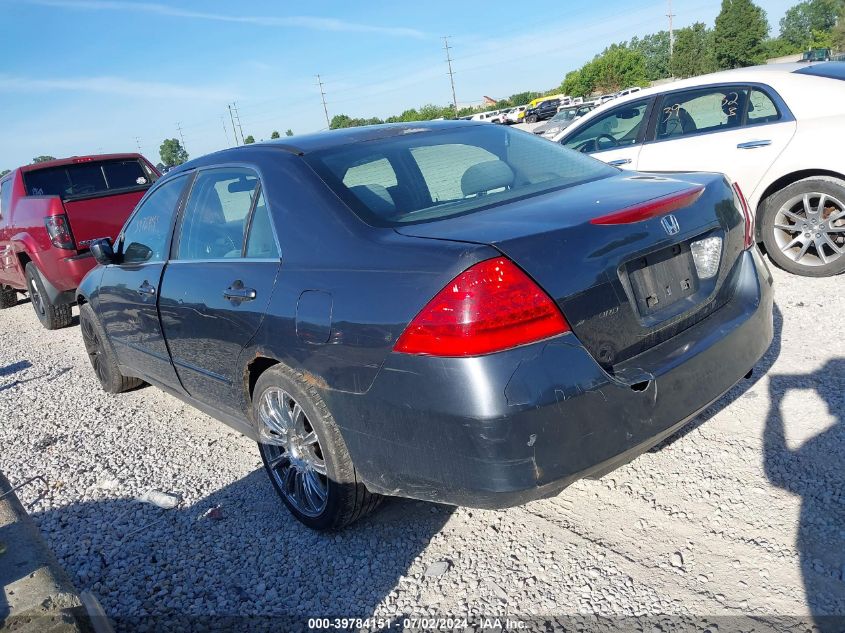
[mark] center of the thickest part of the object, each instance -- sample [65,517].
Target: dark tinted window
[831,70]
[145,237]
[5,196]
[216,214]
[89,178]
[429,175]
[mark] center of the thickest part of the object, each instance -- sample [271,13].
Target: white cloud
[116,86]
[305,22]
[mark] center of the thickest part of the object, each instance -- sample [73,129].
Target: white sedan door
[703,130]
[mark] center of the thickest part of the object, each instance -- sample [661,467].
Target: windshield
[87,179]
[429,175]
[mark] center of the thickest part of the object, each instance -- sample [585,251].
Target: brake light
[490,307]
[746,214]
[651,208]
[59,231]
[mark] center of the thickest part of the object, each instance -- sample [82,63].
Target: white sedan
[776,131]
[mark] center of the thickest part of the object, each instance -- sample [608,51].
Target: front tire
[101,354]
[803,227]
[53,316]
[8,298]
[304,453]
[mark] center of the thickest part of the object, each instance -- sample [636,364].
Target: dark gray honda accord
[454,312]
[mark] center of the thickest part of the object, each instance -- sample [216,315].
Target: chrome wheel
[293,452]
[36,298]
[810,229]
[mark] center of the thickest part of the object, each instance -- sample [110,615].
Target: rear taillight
[651,208]
[490,307]
[59,231]
[746,213]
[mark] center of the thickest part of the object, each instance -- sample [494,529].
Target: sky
[93,76]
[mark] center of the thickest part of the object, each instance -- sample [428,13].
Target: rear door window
[88,179]
[761,108]
[216,214]
[699,111]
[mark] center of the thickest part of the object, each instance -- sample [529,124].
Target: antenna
[671,15]
[323,96]
[181,136]
[451,73]
[234,131]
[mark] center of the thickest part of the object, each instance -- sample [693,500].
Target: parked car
[816,55]
[420,332]
[765,127]
[48,213]
[485,116]
[563,119]
[514,115]
[542,111]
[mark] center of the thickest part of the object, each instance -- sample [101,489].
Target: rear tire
[8,298]
[53,316]
[797,233]
[101,354]
[531,119]
[304,453]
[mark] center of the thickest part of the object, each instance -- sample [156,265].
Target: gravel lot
[743,513]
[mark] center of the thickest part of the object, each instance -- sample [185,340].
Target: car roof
[72,160]
[768,73]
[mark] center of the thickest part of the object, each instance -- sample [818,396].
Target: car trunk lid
[623,287]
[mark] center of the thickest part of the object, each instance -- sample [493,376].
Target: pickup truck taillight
[59,231]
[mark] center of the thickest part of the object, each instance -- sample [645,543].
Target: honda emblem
[670,224]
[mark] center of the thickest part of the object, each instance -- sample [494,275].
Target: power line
[181,136]
[671,15]
[225,131]
[451,74]
[323,97]
[234,131]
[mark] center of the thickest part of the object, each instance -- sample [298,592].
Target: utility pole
[451,73]
[234,131]
[225,131]
[238,119]
[181,136]
[671,15]
[323,97]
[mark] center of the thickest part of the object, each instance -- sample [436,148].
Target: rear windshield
[429,175]
[831,70]
[88,179]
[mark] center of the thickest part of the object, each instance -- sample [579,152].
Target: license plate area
[662,279]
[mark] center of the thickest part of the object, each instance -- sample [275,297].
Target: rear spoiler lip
[652,208]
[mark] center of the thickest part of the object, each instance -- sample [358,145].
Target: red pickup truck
[49,212]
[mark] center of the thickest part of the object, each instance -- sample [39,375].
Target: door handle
[620,161]
[146,289]
[754,144]
[238,292]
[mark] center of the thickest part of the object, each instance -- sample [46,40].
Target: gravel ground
[743,513]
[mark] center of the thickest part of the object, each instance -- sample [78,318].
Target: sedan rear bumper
[507,428]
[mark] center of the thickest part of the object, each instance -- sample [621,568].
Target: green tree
[172,153]
[655,50]
[4,172]
[42,159]
[693,53]
[275,135]
[741,30]
[619,67]
[289,132]
[779,47]
[801,23]
[249,140]
[838,34]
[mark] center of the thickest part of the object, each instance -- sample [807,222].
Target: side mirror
[102,251]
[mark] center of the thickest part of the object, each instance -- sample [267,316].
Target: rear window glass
[86,179]
[429,175]
[831,70]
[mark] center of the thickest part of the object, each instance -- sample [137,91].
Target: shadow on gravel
[157,568]
[815,471]
[737,391]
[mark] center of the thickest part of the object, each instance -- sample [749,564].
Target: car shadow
[739,389]
[234,555]
[814,471]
